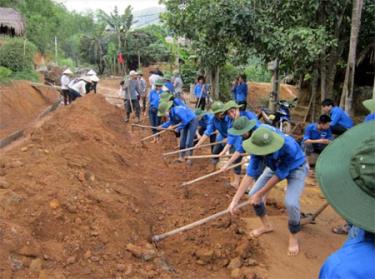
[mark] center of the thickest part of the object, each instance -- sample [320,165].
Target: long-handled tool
[192,148]
[311,217]
[212,156]
[212,174]
[161,132]
[150,127]
[157,238]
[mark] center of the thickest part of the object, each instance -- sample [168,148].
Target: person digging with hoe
[284,159]
[346,174]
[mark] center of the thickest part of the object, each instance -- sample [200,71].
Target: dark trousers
[313,148]
[144,100]
[74,94]
[136,107]
[66,95]
[215,151]
[201,103]
[154,118]
[236,170]
[338,130]
[244,105]
[212,137]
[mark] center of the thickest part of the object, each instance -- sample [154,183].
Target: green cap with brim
[263,142]
[159,82]
[164,108]
[165,96]
[346,175]
[370,105]
[241,126]
[217,107]
[231,104]
[200,113]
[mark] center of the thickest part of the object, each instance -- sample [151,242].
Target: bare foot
[259,231]
[293,248]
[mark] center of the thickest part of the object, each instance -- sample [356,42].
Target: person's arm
[225,149]
[258,196]
[335,117]
[246,182]
[233,158]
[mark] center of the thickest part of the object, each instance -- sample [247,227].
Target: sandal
[344,229]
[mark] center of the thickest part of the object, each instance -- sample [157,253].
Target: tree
[347,92]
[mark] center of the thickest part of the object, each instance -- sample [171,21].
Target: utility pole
[274,96]
[139,59]
[56,50]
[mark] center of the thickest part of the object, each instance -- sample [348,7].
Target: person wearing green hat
[204,119]
[346,174]
[166,96]
[153,106]
[217,124]
[168,83]
[370,105]
[188,123]
[283,158]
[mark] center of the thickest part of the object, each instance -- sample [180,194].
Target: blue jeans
[154,118]
[296,184]
[236,170]
[216,150]
[187,137]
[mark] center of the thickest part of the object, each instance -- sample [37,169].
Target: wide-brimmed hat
[164,107]
[242,125]
[217,107]
[68,72]
[200,112]
[231,104]
[165,96]
[91,73]
[370,105]
[133,73]
[159,82]
[346,175]
[86,78]
[94,78]
[263,142]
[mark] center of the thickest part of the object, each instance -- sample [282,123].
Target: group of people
[73,88]
[275,156]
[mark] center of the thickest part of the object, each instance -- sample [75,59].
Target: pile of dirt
[80,197]
[20,103]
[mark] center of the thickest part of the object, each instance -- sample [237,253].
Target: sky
[108,5]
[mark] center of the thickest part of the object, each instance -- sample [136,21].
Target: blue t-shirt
[178,102]
[288,158]
[240,92]
[170,86]
[313,133]
[340,117]
[154,98]
[198,90]
[205,119]
[215,124]
[179,114]
[369,117]
[354,260]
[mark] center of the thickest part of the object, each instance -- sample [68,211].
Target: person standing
[153,78]
[240,91]
[65,80]
[340,120]
[178,84]
[92,74]
[283,159]
[154,101]
[77,87]
[143,95]
[131,93]
[200,92]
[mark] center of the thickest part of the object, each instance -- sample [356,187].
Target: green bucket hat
[217,107]
[346,175]
[241,126]
[164,107]
[165,96]
[199,112]
[370,105]
[159,82]
[263,142]
[231,104]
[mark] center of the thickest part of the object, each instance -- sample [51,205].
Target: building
[11,23]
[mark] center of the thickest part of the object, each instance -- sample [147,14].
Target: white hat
[94,78]
[91,73]
[133,73]
[86,78]
[68,72]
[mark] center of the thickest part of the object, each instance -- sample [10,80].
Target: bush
[5,74]
[188,74]
[66,63]
[26,75]
[257,70]
[17,55]
[227,74]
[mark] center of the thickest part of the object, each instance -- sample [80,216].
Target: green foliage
[26,75]
[257,71]
[17,55]
[5,74]
[227,75]
[188,72]
[66,63]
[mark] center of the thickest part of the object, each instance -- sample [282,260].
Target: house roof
[12,19]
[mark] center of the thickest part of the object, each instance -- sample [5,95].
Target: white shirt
[79,86]
[152,79]
[178,84]
[65,80]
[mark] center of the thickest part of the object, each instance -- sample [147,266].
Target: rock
[3,183]
[205,255]
[81,176]
[36,265]
[94,258]
[146,253]
[121,267]
[243,249]
[235,263]
[24,149]
[250,262]
[31,250]
[235,273]
[46,151]
[54,204]
[71,260]
[87,254]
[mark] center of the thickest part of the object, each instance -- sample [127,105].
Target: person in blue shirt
[216,125]
[200,92]
[284,159]
[168,83]
[167,96]
[187,123]
[204,119]
[345,173]
[317,136]
[340,120]
[370,105]
[153,105]
[240,90]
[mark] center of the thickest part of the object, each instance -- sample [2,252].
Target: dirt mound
[80,198]
[20,103]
